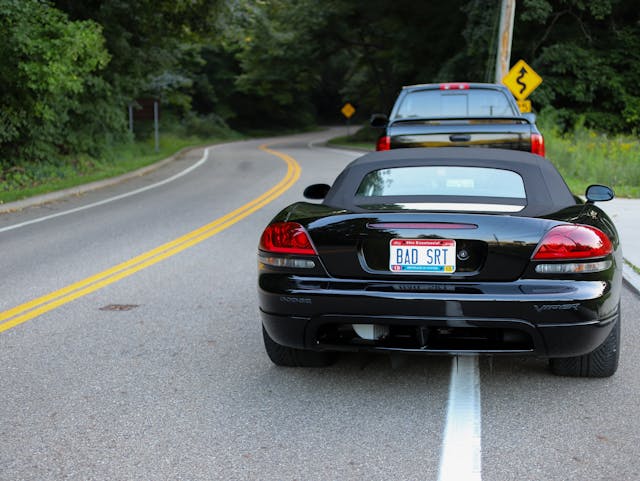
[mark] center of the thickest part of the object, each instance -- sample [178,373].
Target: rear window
[465,188]
[455,103]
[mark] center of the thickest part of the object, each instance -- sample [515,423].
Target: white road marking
[461,446]
[204,158]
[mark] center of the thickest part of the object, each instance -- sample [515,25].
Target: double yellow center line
[29,310]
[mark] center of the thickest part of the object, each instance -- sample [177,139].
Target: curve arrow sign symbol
[523,72]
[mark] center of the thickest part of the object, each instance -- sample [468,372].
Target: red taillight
[573,242]
[454,86]
[286,238]
[383,143]
[537,144]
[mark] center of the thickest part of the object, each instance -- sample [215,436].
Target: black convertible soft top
[545,188]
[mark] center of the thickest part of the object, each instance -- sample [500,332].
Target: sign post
[505,34]
[156,129]
[348,110]
[522,80]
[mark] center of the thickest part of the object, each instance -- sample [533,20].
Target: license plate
[433,256]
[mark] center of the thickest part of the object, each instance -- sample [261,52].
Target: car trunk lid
[486,247]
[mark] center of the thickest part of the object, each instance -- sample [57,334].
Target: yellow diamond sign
[524,105]
[522,80]
[348,110]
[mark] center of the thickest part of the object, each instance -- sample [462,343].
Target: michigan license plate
[433,256]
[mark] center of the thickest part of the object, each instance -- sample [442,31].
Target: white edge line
[461,446]
[204,158]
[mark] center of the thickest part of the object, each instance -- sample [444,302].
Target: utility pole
[505,33]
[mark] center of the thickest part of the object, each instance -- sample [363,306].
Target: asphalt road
[156,370]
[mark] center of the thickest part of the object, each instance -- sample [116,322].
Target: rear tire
[287,356]
[601,362]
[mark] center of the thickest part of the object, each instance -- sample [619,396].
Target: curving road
[130,348]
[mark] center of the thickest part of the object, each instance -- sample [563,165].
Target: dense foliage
[589,55]
[363,50]
[70,68]
[48,65]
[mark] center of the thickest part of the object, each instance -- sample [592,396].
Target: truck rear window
[454,103]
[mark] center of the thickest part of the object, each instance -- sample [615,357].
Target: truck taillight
[537,144]
[383,143]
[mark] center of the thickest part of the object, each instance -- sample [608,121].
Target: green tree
[304,57]
[154,44]
[48,64]
[589,56]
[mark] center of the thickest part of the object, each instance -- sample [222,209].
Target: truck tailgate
[461,133]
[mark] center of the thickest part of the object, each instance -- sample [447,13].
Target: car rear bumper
[454,336]
[543,318]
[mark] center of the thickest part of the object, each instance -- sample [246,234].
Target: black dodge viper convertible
[444,251]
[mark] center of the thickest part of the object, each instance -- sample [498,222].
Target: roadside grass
[28,180]
[363,138]
[635,268]
[279,131]
[347,141]
[582,156]
[39,178]
[586,157]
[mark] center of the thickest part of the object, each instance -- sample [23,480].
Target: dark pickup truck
[458,115]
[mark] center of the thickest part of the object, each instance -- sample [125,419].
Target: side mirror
[316,191]
[599,193]
[379,121]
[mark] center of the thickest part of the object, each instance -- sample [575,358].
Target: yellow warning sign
[525,106]
[348,110]
[522,80]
